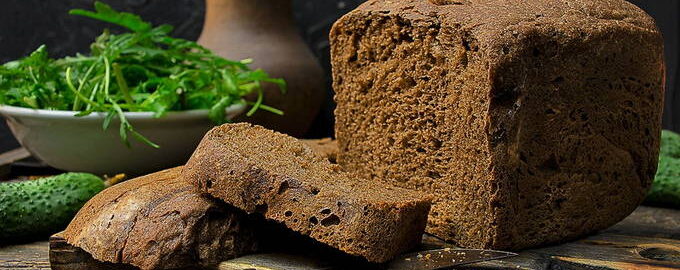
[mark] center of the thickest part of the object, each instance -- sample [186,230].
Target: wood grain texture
[63,256]
[603,251]
[31,256]
[647,239]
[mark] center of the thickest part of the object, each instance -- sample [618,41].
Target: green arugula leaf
[107,120]
[218,111]
[105,13]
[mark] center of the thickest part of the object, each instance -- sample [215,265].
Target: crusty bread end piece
[159,222]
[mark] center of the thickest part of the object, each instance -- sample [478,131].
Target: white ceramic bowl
[72,143]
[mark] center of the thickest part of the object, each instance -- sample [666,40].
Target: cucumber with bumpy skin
[38,208]
[665,191]
[670,144]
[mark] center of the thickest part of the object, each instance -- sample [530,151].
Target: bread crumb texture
[158,222]
[284,180]
[325,147]
[531,122]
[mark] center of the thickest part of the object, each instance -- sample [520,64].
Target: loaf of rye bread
[277,176]
[531,121]
[158,222]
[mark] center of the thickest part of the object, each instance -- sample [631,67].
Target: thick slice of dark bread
[531,121]
[278,176]
[158,221]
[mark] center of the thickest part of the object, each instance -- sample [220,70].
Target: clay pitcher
[264,31]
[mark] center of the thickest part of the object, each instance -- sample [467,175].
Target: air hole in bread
[436,144]
[449,2]
[325,211]
[315,191]
[288,213]
[405,37]
[466,45]
[283,187]
[331,220]
[433,174]
[313,220]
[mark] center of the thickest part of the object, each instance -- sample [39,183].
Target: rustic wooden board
[63,256]
[648,239]
[29,256]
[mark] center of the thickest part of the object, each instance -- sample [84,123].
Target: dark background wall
[25,24]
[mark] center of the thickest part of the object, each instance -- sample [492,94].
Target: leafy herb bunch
[144,70]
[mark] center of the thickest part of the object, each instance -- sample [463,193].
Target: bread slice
[158,222]
[532,122]
[275,175]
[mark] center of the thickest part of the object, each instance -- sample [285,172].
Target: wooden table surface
[648,239]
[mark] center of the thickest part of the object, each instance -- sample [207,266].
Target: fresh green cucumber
[670,144]
[665,191]
[38,208]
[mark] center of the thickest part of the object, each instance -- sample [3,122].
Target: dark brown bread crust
[265,172]
[158,222]
[532,122]
[325,147]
